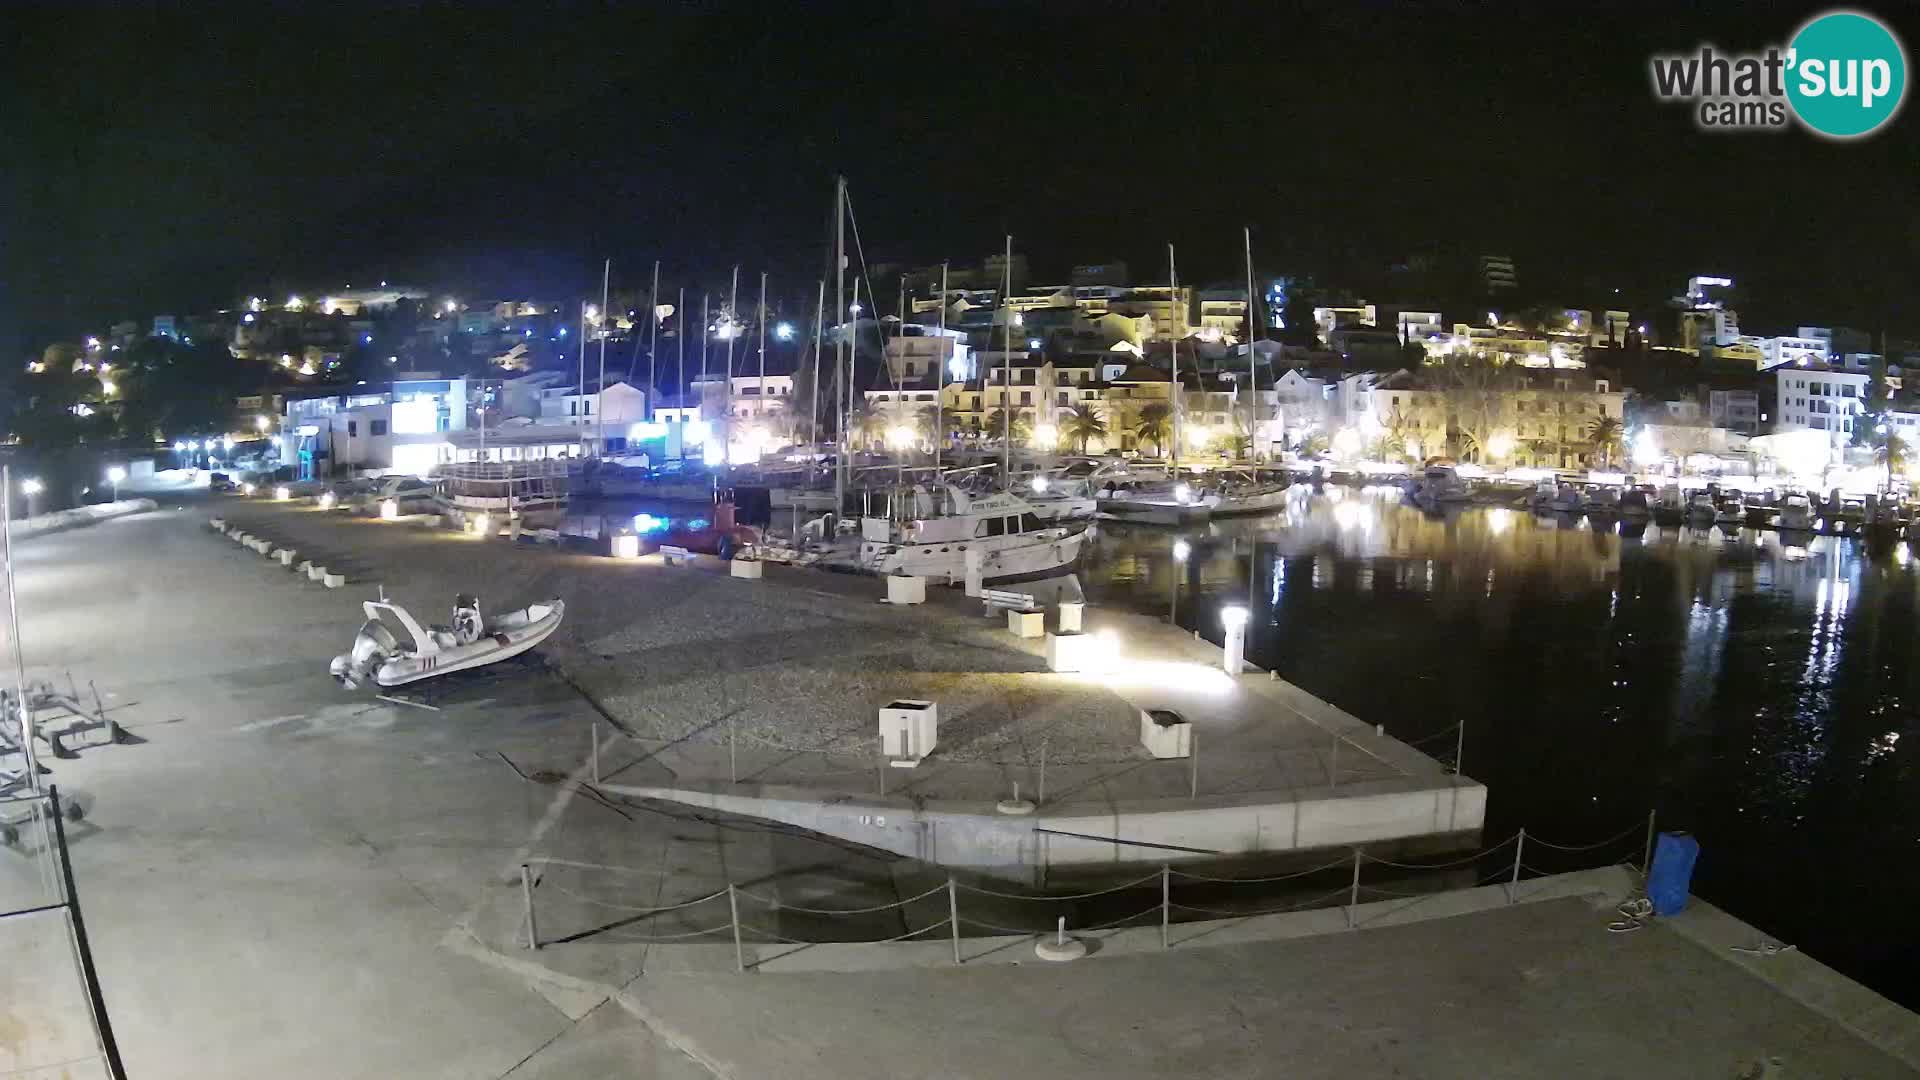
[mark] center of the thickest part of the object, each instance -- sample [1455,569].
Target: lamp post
[30,487]
[114,476]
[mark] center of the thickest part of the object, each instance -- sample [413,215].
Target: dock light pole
[30,487]
[1234,618]
[114,476]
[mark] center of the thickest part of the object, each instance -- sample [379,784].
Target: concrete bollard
[305,565]
[906,589]
[315,573]
[1026,624]
[1070,612]
[334,581]
[751,569]
[285,555]
[218,524]
[242,538]
[976,567]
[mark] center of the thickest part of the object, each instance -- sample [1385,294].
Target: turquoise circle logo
[1848,74]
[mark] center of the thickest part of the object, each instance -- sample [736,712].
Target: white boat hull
[1154,512]
[1030,554]
[510,635]
[1258,502]
[1074,508]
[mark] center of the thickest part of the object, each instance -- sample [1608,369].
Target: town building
[1820,398]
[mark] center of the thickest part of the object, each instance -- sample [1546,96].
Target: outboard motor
[372,646]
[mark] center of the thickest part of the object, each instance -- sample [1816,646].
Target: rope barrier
[629,907]
[775,903]
[1629,831]
[1155,876]
[544,860]
[1304,905]
[1110,925]
[725,928]
[1002,929]
[1256,880]
[1475,857]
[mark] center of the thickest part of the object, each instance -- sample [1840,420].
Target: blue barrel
[1672,876]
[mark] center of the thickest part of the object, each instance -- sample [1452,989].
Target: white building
[1820,399]
[619,404]
[1796,350]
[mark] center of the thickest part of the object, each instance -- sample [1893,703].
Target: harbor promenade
[287,879]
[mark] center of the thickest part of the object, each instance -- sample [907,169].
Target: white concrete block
[218,524]
[909,730]
[625,546]
[1076,652]
[747,568]
[906,589]
[305,565]
[285,555]
[1070,612]
[315,573]
[1165,733]
[1026,624]
[334,581]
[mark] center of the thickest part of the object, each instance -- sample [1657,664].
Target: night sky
[160,163]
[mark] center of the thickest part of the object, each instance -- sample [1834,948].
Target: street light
[784,331]
[1234,618]
[31,486]
[260,423]
[114,476]
[1181,550]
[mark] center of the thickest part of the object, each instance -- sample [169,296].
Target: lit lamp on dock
[482,525]
[281,494]
[1234,618]
[389,510]
[626,546]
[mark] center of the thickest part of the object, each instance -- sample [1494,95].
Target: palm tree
[867,424]
[1603,432]
[1893,455]
[932,424]
[1154,425]
[1082,425]
[997,425]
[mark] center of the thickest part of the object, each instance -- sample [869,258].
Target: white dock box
[1165,733]
[908,730]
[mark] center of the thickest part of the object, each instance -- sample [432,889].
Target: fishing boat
[1731,511]
[1701,509]
[534,493]
[413,653]
[1243,491]
[1436,487]
[1057,498]
[948,523]
[1796,513]
[1148,497]
[1634,505]
[1556,498]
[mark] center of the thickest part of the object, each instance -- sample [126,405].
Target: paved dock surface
[286,880]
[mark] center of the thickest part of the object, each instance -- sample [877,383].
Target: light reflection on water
[1753,689]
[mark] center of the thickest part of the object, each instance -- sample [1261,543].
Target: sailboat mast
[28,761]
[1253,379]
[733,331]
[1173,299]
[761,391]
[600,394]
[680,336]
[653,328]
[940,383]
[853,347]
[813,399]
[840,342]
[581,388]
[1006,368]
[899,395]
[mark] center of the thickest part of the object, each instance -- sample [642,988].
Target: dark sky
[172,162]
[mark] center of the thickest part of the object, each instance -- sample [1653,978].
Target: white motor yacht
[1058,498]
[1438,486]
[1796,512]
[1003,527]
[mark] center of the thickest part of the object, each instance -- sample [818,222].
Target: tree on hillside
[1603,434]
[997,426]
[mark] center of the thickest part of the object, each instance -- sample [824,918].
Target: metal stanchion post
[1646,861]
[733,762]
[1353,891]
[1166,900]
[526,897]
[953,915]
[596,751]
[1040,798]
[733,912]
[1333,763]
[1519,846]
[1193,763]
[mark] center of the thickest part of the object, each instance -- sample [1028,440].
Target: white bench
[674,556]
[1008,600]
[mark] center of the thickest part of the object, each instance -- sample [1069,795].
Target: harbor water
[1756,689]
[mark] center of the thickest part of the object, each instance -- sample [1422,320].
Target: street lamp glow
[294,303]
[900,436]
[1033,343]
[1500,445]
[1181,551]
[107,387]
[226,443]
[784,331]
[282,493]
[260,423]
[178,446]
[93,344]
[31,486]
[1182,493]
[116,474]
[452,306]
[1045,435]
[853,309]
[194,444]
[1039,484]
[1233,616]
